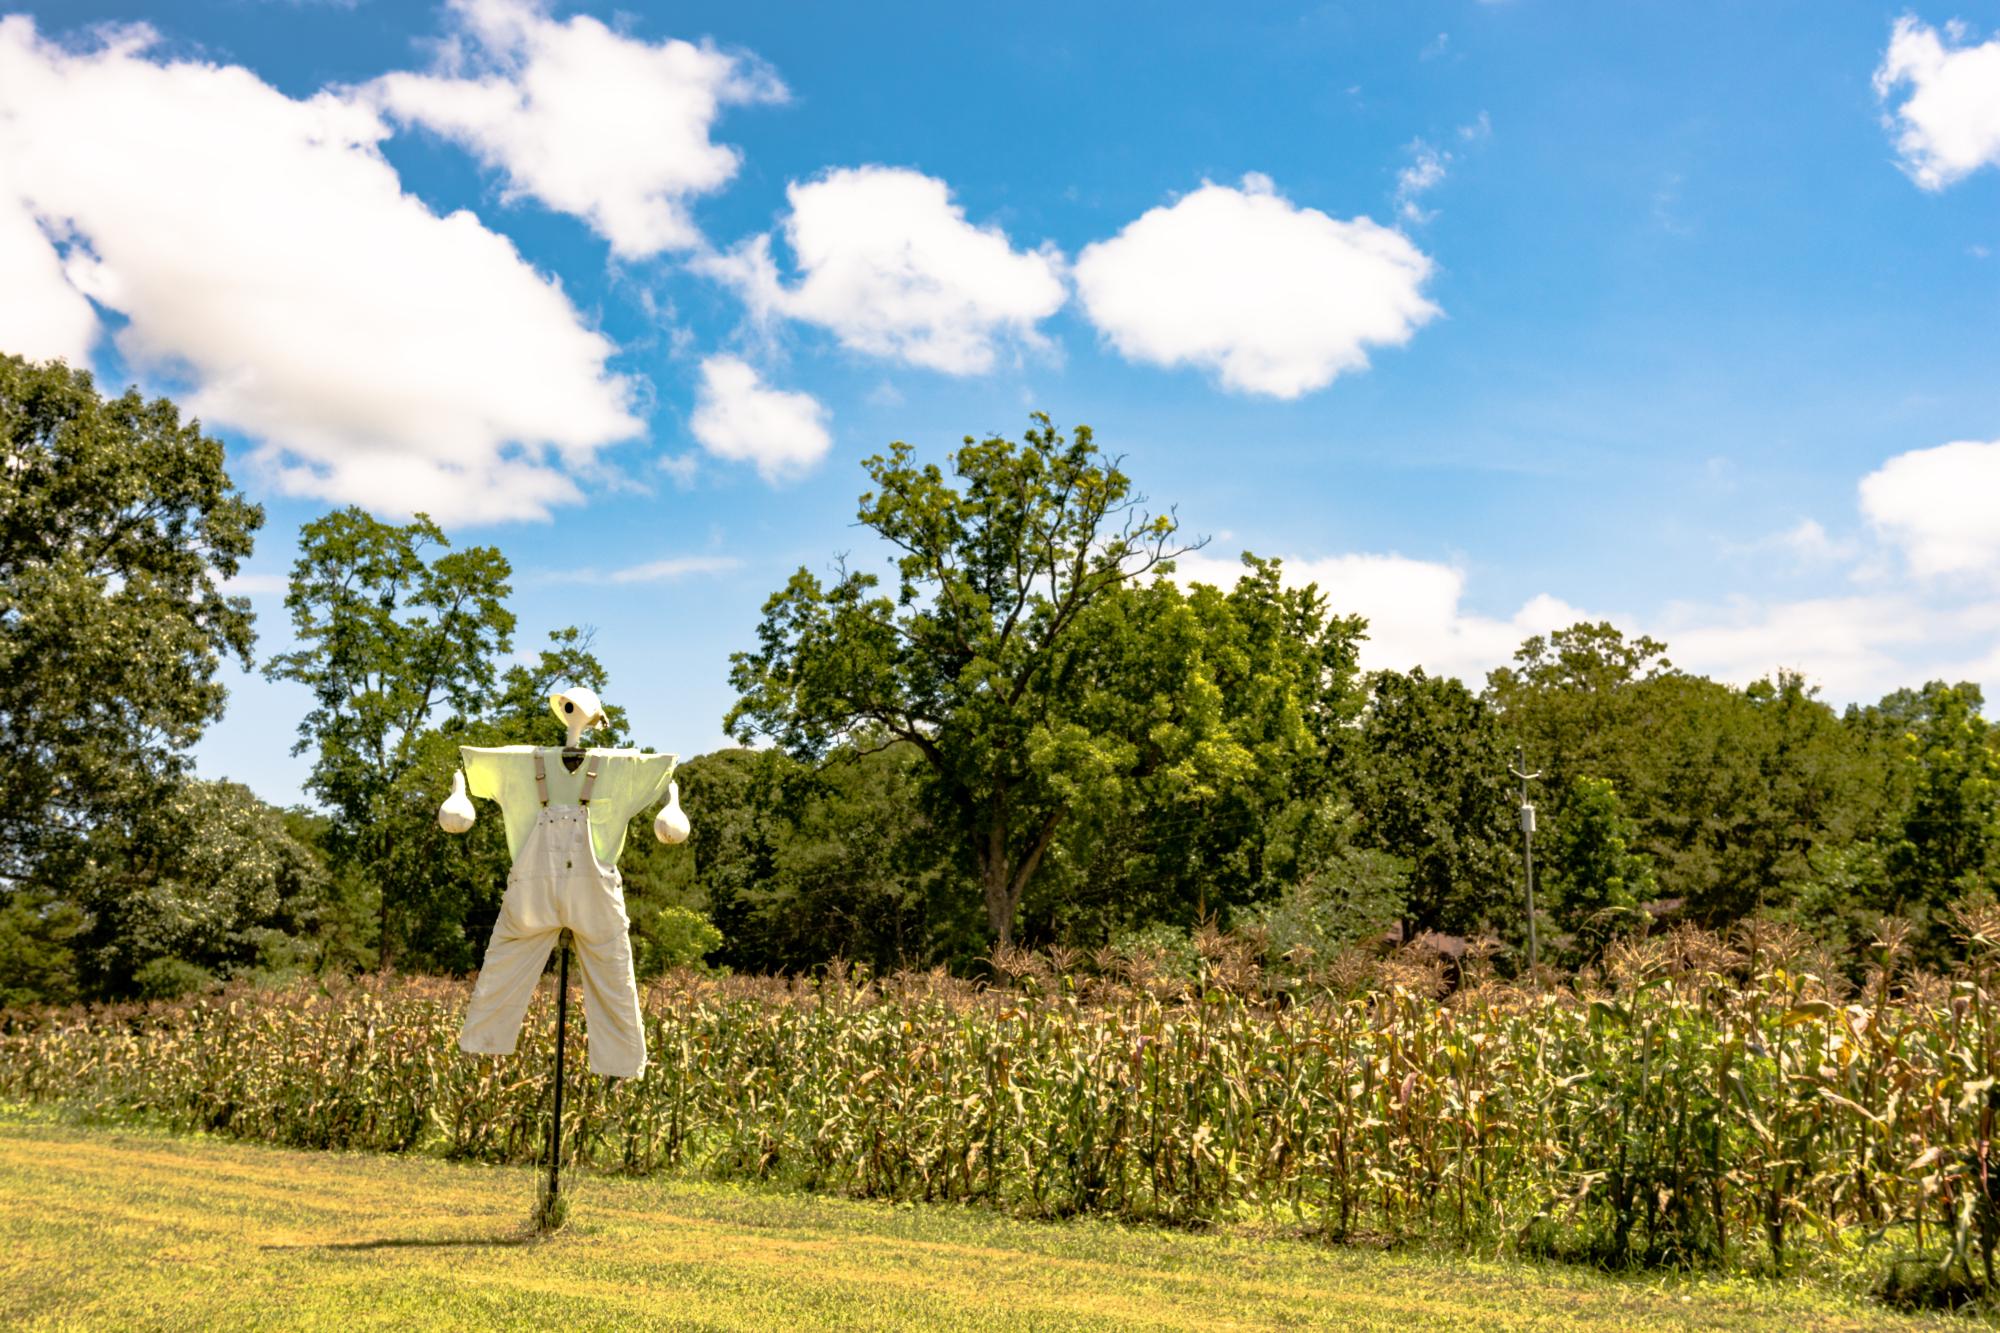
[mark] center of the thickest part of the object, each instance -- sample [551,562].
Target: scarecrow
[566,813]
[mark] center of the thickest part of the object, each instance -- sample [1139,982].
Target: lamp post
[1528,849]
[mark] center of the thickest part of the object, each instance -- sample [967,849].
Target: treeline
[1665,798]
[1034,735]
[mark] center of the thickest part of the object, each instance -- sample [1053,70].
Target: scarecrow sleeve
[486,772]
[646,782]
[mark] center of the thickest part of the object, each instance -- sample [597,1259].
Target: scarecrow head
[578,709]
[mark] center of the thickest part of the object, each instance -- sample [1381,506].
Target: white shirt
[627,782]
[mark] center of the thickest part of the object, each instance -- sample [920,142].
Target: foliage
[992,659]
[1345,895]
[1247,699]
[119,529]
[1430,784]
[799,864]
[389,634]
[1596,885]
[207,884]
[672,937]
[1729,791]
[37,962]
[1949,843]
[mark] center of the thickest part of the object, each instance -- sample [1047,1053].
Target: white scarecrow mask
[579,709]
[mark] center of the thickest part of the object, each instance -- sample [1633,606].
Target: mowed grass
[103,1228]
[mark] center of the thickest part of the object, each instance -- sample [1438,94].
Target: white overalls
[558,881]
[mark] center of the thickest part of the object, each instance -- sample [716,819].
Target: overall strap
[541,779]
[589,781]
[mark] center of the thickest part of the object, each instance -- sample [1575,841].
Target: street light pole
[1528,849]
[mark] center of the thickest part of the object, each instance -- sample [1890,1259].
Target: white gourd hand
[456,814]
[671,824]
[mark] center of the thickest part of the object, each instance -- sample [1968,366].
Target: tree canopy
[997,657]
[119,531]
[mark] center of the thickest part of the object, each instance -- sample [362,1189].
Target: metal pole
[1528,849]
[562,1030]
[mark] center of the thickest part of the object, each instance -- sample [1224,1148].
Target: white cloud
[670,570]
[1414,610]
[256,585]
[1274,298]
[889,263]
[1425,172]
[609,128]
[42,317]
[677,567]
[737,416]
[1949,124]
[1429,165]
[262,250]
[683,468]
[1807,544]
[1939,507]
[1855,647]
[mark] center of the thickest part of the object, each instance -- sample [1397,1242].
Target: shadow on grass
[508,1241]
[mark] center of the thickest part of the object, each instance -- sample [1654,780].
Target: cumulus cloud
[1948,124]
[1854,647]
[892,267]
[1415,610]
[261,250]
[606,127]
[1274,298]
[739,417]
[1939,507]
[42,317]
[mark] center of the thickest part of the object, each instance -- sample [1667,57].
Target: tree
[1256,689]
[119,528]
[1572,698]
[389,635]
[985,659]
[1950,832]
[208,884]
[1343,893]
[1431,786]
[799,864]
[1595,883]
[1729,791]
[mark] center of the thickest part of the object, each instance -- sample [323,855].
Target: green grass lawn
[105,1228]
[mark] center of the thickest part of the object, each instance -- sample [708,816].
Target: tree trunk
[998,877]
[1004,881]
[999,910]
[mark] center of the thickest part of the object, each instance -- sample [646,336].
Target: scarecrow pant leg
[507,977]
[617,1035]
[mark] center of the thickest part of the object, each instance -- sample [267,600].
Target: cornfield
[1697,1101]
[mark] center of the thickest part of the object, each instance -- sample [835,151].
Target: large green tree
[1732,792]
[997,658]
[119,529]
[1430,785]
[395,630]
[1948,842]
[1256,687]
[207,884]
[798,864]
[1594,885]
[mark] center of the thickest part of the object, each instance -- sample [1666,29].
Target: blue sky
[1486,316]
